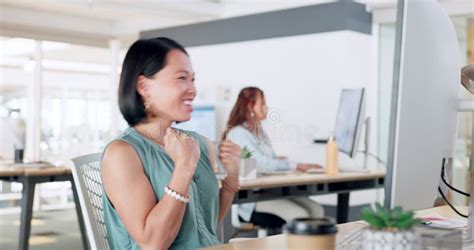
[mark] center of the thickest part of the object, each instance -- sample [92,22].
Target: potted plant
[248,166]
[389,229]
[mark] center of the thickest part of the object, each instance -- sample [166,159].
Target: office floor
[56,229]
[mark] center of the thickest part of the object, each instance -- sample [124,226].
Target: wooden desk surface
[9,170]
[294,179]
[279,241]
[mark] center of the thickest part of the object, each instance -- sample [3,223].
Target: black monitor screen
[348,120]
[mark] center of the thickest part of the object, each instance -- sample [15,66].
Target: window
[76,102]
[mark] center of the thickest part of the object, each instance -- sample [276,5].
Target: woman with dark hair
[244,128]
[160,188]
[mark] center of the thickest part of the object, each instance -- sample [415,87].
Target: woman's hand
[183,150]
[230,156]
[303,167]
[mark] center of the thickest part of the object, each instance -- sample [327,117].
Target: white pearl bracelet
[175,195]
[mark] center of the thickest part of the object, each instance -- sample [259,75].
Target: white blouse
[262,152]
[261,149]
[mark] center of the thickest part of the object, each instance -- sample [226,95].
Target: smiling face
[171,91]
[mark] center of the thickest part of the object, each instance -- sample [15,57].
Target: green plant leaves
[382,218]
[246,153]
[372,218]
[397,212]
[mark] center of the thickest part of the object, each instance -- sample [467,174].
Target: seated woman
[244,128]
[160,188]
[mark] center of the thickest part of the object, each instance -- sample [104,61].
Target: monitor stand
[366,141]
[351,166]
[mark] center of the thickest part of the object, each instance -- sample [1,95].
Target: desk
[279,241]
[29,177]
[297,184]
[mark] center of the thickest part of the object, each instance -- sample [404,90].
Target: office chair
[87,178]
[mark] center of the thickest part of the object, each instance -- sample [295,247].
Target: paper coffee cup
[312,233]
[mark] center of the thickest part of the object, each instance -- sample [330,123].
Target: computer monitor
[423,122]
[203,121]
[349,120]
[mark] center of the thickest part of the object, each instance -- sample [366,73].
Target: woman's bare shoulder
[120,155]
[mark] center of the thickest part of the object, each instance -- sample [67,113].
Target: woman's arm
[229,154]
[226,197]
[152,225]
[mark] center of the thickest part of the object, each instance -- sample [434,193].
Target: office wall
[301,76]
[316,49]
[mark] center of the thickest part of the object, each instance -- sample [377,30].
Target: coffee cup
[312,233]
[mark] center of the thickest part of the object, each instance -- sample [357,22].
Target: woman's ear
[142,85]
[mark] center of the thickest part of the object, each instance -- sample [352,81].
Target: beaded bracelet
[176,195]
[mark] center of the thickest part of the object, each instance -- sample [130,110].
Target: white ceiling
[95,22]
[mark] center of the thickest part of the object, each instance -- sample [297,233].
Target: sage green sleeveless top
[198,228]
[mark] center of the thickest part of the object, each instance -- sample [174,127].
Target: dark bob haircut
[145,57]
